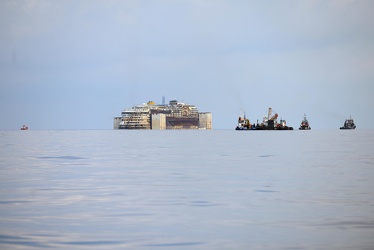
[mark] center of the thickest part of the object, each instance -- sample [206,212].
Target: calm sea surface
[214,189]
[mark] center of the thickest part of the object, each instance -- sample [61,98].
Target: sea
[187,189]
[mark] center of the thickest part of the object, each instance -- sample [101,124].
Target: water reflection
[105,189]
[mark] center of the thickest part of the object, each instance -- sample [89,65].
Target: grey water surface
[201,189]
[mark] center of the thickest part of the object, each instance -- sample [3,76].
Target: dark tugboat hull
[348,128]
[305,128]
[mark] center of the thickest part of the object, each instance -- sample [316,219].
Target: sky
[76,64]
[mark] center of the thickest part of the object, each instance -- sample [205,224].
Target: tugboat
[349,124]
[24,127]
[305,124]
[243,123]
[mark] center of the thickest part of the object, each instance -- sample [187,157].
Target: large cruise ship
[175,115]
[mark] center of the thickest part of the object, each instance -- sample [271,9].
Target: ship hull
[264,128]
[347,128]
[304,128]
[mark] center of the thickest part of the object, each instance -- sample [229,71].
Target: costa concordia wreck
[175,115]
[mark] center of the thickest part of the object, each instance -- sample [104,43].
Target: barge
[269,122]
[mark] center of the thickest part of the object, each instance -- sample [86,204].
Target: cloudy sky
[76,64]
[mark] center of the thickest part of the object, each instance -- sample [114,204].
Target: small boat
[24,127]
[349,124]
[304,124]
